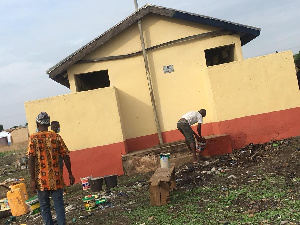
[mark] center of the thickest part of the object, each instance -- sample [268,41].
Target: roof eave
[247,34]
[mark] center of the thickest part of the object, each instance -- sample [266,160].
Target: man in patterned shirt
[43,149]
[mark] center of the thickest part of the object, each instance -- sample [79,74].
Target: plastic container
[21,186]
[111,181]
[4,213]
[96,183]
[4,208]
[164,160]
[101,201]
[89,202]
[34,205]
[85,183]
[4,204]
[200,146]
[16,201]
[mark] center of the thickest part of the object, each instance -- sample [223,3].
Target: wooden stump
[160,185]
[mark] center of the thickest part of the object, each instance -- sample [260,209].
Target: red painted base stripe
[143,142]
[259,128]
[263,127]
[106,160]
[217,145]
[97,161]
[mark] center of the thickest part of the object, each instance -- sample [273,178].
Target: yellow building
[119,103]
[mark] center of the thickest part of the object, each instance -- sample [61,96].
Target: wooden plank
[154,195]
[160,185]
[173,180]
[164,189]
[163,175]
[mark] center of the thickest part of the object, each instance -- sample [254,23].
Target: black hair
[54,122]
[202,111]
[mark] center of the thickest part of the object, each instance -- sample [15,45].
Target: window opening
[219,55]
[91,81]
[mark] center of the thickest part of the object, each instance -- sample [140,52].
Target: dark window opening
[91,81]
[220,55]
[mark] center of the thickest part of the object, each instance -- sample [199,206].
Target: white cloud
[20,82]
[36,34]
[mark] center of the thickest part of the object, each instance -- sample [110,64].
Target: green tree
[297,56]
[1,127]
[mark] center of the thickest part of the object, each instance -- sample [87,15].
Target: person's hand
[199,139]
[33,185]
[72,179]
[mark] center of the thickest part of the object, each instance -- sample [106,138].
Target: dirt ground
[278,157]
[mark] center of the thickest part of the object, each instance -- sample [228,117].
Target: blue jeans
[57,197]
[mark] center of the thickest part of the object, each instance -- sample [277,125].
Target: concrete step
[148,160]
[217,145]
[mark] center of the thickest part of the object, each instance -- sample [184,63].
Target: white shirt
[7,135]
[193,117]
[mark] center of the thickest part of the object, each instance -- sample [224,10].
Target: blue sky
[35,35]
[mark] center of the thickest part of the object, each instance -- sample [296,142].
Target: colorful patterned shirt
[46,146]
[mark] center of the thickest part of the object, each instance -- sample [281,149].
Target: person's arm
[31,163]
[68,166]
[31,167]
[199,133]
[64,152]
[199,129]
[195,134]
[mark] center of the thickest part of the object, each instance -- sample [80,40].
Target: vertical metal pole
[149,77]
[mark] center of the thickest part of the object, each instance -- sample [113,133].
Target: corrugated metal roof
[247,34]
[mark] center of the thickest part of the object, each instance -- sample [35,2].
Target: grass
[266,201]
[5,153]
[262,199]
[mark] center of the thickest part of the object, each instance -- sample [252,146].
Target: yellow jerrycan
[16,201]
[22,186]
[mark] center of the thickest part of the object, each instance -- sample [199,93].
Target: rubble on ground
[278,157]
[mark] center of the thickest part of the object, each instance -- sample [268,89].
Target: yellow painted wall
[254,86]
[188,88]
[160,29]
[123,111]
[125,42]
[87,119]
[128,76]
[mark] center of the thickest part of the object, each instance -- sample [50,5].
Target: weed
[216,204]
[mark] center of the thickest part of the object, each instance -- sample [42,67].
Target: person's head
[55,126]
[43,121]
[202,112]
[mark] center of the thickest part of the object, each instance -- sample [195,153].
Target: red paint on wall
[263,127]
[259,128]
[143,142]
[171,136]
[97,161]
[106,160]
[175,135]
[217,145]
